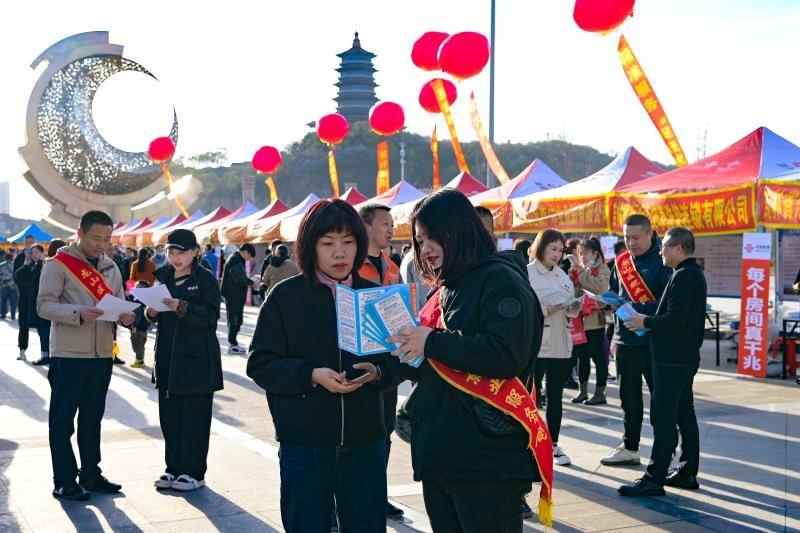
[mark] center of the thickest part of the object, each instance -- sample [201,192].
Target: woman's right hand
[335,382]
[151,313]
[553,309]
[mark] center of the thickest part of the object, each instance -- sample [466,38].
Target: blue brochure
[625,313]
[358,333]
[392,313]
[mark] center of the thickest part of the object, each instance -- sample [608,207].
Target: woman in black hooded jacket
[188,368]
[474,471]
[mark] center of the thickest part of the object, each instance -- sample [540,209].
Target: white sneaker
[21,356]
[185,482]
[621,456]
[165,481]
[561,459]
[236,349]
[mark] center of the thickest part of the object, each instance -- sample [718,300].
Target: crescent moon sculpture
[70,163]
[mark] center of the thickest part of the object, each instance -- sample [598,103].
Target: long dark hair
[141,261]
[327,216]
[53,247]
[593,244]
[450,219]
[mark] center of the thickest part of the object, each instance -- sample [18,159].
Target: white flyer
[153,297]
[114,307]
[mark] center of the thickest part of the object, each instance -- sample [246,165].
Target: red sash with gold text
[86,275]
[631,279]
[509,396]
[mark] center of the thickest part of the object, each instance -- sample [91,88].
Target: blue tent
[34,230]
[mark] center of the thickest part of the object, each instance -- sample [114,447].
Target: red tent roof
[761,154]
[353,196]
[467,184]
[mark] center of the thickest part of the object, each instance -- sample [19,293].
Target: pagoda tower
[356,83]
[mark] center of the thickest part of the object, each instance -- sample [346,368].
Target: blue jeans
[312,477]
[8,298]
[671,411]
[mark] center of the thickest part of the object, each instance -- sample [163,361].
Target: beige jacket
[553,286]
[596,284]
[61,297]
[275,274]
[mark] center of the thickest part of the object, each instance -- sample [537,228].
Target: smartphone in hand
[363,378]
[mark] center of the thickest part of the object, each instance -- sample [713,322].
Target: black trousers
[23,321]
[633,362]
[671,410]
[76,385]
[389,417]
[469,506]
[592,350]
[186,425]
[234,310]
[556,371]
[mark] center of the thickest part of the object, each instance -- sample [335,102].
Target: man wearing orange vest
[381,270]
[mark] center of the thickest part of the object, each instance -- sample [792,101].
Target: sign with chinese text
[721,259]
[779,204]
[730,210]
[753,334]
[572,215]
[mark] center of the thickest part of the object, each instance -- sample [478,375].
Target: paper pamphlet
[352,324]
[393,313]
[608,298]
[555,298]
[625,313]
[113,307]
[153,297]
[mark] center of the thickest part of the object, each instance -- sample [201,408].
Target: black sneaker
[527,512]
[392,511]
[100,484]
[72,492]
[571,384]
[118,361]
[682,481]
[42,361]
[642,487]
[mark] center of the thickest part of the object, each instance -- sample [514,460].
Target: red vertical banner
[753,334]
[382,180]
[437,179]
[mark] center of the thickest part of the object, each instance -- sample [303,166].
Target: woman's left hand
[410,342]
[172,303]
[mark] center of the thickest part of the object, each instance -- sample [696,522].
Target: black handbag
[402,424]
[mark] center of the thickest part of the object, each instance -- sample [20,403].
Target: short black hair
[38,247]
[276,242]
[208,247]
[282,250]
[523,246]
[544,239]
[683,237]
[367,212]
[328,216]
[619,247]
[249,248]
[53,247]
[451,221]
[486,214]
[593,244]
[28,236]
[90,218]
[638,220]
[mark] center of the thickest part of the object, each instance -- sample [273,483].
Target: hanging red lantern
[333,128]
[464,54]
[425,52]
[161,149]
[386,118]
[427,98]
[267,160]
[601,16]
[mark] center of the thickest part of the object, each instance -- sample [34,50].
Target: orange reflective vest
[391,272]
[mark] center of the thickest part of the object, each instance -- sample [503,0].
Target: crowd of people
[533,315]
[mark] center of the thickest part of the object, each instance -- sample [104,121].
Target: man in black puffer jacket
[633,351]
[234,289]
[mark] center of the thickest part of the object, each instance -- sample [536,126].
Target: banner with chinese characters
[382,180]
[575,215]
[647,97]
[718,212]
[779,204]
[753,334]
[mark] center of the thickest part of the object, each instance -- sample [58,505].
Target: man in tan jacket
[81,351]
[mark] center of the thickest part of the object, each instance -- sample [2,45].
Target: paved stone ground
[750,463]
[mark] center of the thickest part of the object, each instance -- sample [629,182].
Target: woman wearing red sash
[483,323]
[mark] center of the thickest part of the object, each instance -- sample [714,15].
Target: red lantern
[386,118]
[333,128]
[464,54]
[161,149]
[425,52]
[601,16]
[427,98]
[267,160]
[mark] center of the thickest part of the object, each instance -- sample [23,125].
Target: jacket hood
[655,246]
[276,260]
[512,259]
